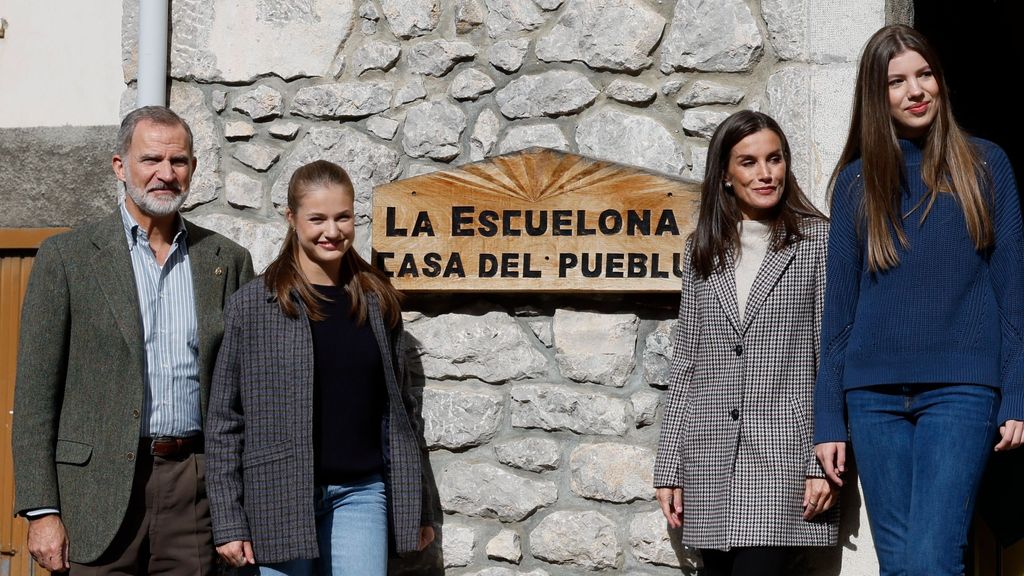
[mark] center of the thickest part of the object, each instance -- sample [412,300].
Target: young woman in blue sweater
[924,310]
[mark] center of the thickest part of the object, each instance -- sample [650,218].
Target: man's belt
[170,446]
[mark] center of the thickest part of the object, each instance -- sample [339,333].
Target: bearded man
[119,335]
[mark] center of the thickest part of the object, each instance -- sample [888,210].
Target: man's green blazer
[80,376]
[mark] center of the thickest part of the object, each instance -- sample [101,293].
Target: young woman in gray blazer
[735,465]
[314,446]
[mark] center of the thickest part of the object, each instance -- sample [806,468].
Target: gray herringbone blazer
[259,432]
[736,433]
[81,366]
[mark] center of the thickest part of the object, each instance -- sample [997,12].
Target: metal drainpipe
[152,82]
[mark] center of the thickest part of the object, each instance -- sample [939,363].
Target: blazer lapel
[723,282]
[112,268]
[771,271]
[209,273]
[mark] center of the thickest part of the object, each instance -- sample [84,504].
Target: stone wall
[541,412]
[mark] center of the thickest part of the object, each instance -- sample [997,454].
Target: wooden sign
[536,220]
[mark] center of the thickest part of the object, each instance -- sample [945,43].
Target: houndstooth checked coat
[736,433]
[259,432]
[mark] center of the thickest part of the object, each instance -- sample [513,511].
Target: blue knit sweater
[945,314]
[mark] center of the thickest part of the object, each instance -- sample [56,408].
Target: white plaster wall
[60,63]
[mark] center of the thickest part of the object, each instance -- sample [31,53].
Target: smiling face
[913,94]
[156,169]
[324,225]
[756,174]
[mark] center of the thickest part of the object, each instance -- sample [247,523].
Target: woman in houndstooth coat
[735,465]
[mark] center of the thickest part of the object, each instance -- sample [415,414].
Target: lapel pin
[219,271]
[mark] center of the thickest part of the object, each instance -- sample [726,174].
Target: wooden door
[17,249]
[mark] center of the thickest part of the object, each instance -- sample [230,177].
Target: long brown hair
[716,234]
[950,164]
[285,279]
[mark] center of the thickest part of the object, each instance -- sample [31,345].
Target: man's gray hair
[156,114]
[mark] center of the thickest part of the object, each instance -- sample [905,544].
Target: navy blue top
[350,394]
[946,313]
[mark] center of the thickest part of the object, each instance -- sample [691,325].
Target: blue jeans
[352,533]
[921,451]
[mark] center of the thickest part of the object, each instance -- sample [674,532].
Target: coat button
[738,349]
[735,414]
[135,414]
[130,456]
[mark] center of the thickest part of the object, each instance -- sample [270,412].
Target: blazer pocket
[266,454]
[71,452]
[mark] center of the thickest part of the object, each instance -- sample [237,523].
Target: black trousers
[762,561]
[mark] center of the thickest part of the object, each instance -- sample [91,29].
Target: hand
[832,456]
[237,553]
[48,542]
[426,537]
[1012,432]
[819,496]
[671,501]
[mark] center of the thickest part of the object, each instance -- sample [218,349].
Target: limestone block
[188,101]
[256,156]
[461,417]
[630,92]
[412,91]
[532,454]
[487,491]
[420,168]
[484,136]
[672,87]
[510,17]
[595,347]
[470,84]
[627,138]
[657,356]
[411,18]
[382,127]
[585,539]
[503,571]
[468,15]
[284,130]
[698,161]
[236,41]
[557,407]
[650,542]
[375,55]
[717,36]
[542,135]
[343,100]
[433,129]
[508,55]
[438,57]
[542,330]
[553,93]
[614,35]
[261,237]
[821,32]
[549,5]
[218,99]
[262,103]
[645,407]
[238,130]
[505,546]
[458,544]
[367,162]
[243,191]
[489,347]
[812,105]
[704,92]
[702,122]
[612,472]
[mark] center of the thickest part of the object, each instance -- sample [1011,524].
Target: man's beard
[152,205]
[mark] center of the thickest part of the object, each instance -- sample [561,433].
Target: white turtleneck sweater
[754,237]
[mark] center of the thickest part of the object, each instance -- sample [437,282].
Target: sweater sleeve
[842,273]
[1006,266]
[685,338]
